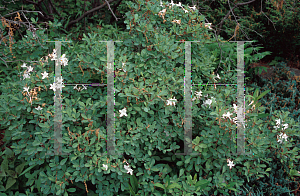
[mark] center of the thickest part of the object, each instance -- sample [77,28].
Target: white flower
[59,86]
[123,66]
[179,4]
[282,137]
[39,108]
[177,21]
[52,86]
[105,166]
[217,77]
[129,170]
[230,163]
[45,75]
[208,25]
[162,12]
[53,55]
[235,107]
[60,80]
[161,4]
[285,126]
[198,94]
[171,101]
[251,104]
[26,89]
[29,69]
[207,102]
[26,75]
[172,3]
[227,115]
[234,119]
[278,121]
[123,112]
[193,8]
[278,125]
[185,11]
[24,65]
[63,60]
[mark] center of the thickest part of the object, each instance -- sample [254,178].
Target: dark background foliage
[275,23]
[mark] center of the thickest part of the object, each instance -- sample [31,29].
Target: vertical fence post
[57,103]
[110,99]
[187,102]
[240,137]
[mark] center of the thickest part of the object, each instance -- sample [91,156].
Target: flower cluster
[234,120]
[59,84]
[127,167]
[281,136]
[54,86]
[171,101]
[162,13]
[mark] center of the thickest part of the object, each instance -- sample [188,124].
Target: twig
[88,12]
[115,8]
[231,10]
[111,10]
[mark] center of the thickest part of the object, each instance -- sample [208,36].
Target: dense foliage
[153,131]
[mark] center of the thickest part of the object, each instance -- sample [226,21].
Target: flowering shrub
[149,91]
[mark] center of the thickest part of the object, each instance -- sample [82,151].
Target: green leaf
[262,68]
[36,143]
[134,183]
[181,172]
[4,164]
[102,59]
[159,185]
[146,109]
[20,168]
[261,95]
[75,145]
[63,161]
[81,104]
[52,164]
[88,101]
[174,185]
[83,116]
[12,173]
[137,108]
[202,183]
[268,169]
[46,125]
[73,158]
[168,179]
[203,145]
[26,170]
[11,181]
[72,190]
[131,191]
